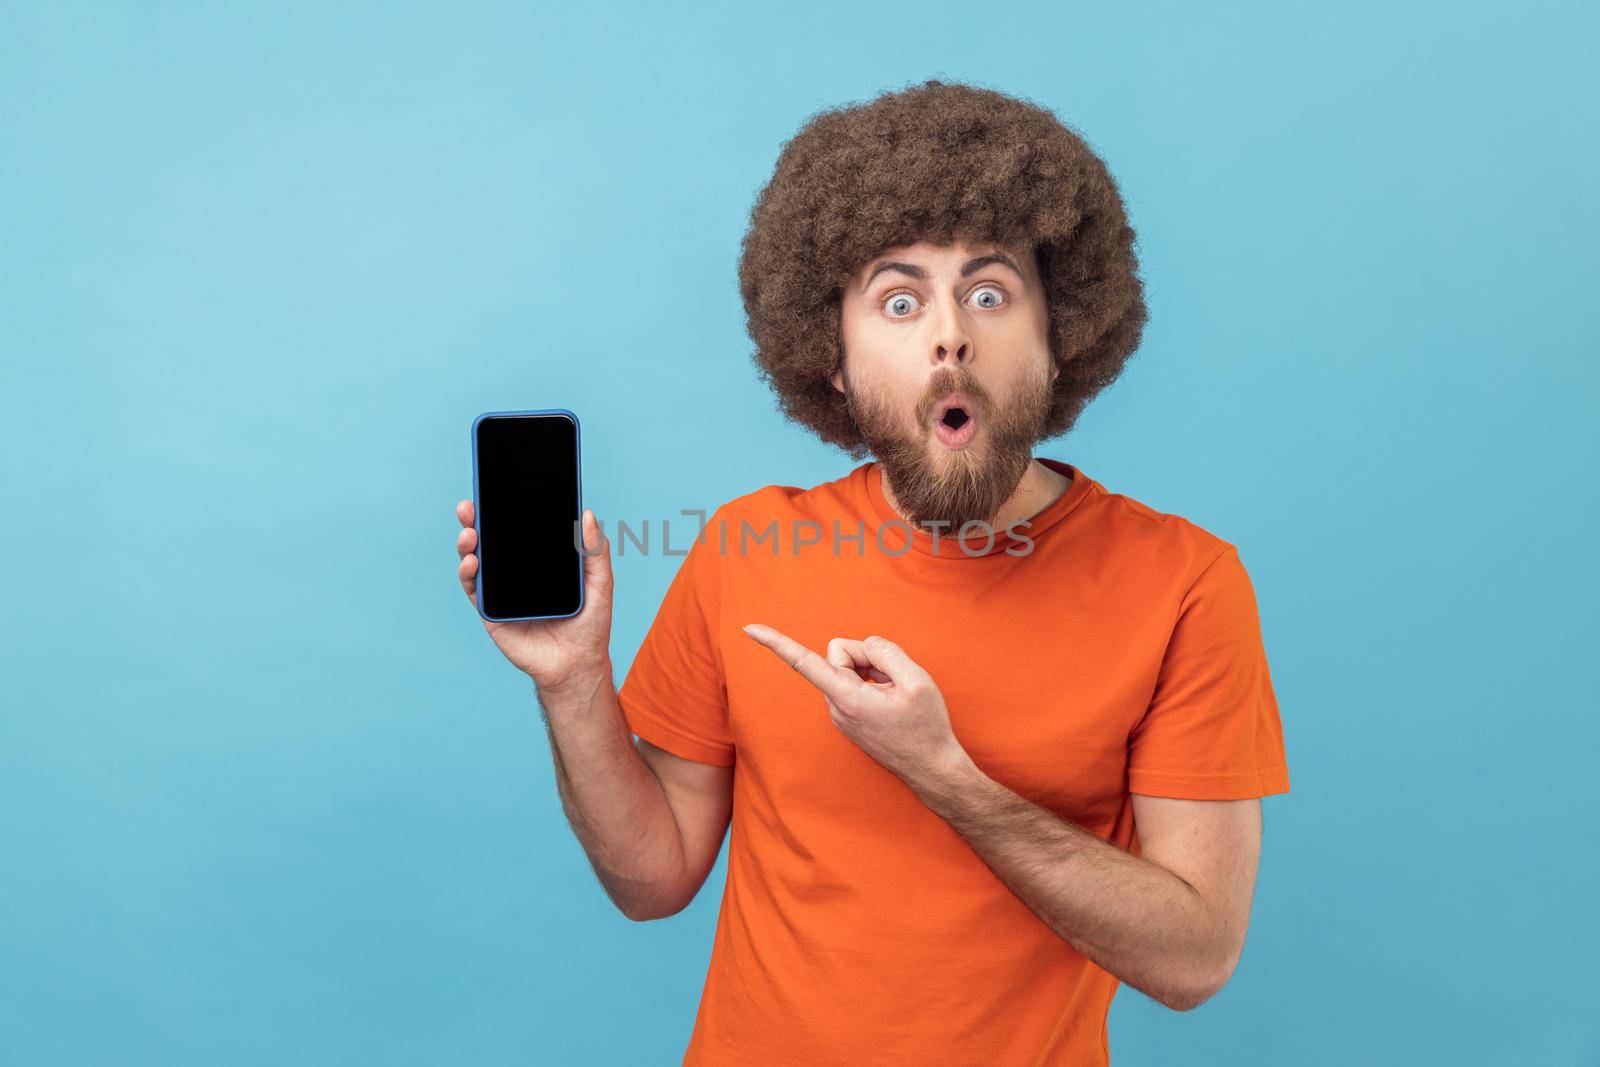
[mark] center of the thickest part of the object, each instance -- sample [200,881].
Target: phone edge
[577,452]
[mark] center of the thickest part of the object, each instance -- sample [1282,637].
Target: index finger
[836,683]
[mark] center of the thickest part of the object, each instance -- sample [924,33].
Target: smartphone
[527,508]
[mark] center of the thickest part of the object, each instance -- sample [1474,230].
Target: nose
[952,342]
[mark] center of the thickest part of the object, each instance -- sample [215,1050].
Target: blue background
[268,794]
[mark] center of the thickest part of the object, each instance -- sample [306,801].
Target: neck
[1039,488]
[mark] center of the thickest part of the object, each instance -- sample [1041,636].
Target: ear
[1055,372]
[838,381]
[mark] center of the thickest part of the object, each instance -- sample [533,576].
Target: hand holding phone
[546,605]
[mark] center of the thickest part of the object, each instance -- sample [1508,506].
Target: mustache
[947,380]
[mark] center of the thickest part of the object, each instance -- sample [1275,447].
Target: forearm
[612,799]
[1136,919]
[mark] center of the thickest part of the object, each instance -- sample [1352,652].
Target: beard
[932,483]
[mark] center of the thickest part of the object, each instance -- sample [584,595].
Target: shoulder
[1151,537]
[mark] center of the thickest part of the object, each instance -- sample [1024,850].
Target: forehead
[946,258]
[928,252]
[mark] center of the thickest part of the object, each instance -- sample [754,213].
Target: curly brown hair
[935,162]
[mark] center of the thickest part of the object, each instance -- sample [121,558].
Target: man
[991,737]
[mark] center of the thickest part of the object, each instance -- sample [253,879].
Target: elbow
[643,900]
[650,909]
[1187,1000]
[1191,995]
[640,913]
[633,911]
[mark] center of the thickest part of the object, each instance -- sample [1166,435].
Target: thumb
[892,660]
[597,576]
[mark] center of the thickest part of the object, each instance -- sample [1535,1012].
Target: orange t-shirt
[1107,648]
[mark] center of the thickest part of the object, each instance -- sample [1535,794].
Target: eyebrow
[976,263]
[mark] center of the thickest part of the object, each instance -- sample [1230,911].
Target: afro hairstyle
[936,162]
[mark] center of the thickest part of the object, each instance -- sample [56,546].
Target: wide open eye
[996,296]
[900,305]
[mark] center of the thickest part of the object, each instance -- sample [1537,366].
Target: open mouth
[954,421]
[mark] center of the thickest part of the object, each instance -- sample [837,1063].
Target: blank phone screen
[528,503]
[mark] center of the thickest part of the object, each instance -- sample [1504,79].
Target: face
[947,372]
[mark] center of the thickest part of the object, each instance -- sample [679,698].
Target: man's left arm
[1170,922]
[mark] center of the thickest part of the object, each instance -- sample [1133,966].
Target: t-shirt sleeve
[1212,730]
[674,695]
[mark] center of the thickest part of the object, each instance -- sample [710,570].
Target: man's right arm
[650,822]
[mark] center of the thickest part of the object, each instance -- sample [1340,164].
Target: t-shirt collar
[870,476]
